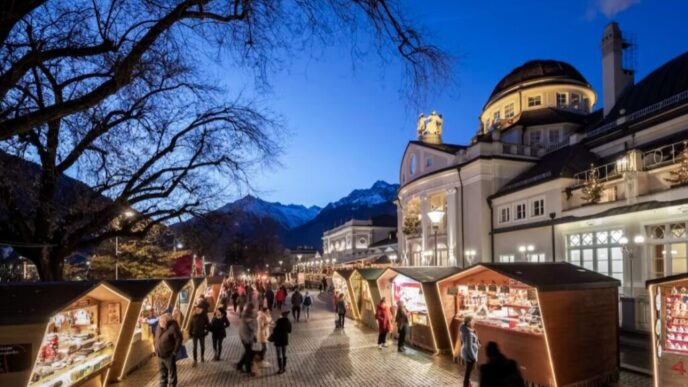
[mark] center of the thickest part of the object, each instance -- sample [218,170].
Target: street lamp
[522,250]
[436,217]
[126,214]
[470,255]
[628,250]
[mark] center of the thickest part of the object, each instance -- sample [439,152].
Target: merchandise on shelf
[676,338]
[508,307]
[155,304]
[73,348]
[411,293]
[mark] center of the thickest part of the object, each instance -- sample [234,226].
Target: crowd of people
[255,304]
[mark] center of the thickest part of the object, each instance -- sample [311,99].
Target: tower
[615,78]
[429,129]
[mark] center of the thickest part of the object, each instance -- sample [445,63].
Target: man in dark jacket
[402,325]
[203,304]
[167,340]
[198,328]
[218,326]
[296,301]
[281,339]
[270,297]
[499,371]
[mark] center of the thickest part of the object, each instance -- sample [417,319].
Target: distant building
[358,240]
[301,254]
[547,177]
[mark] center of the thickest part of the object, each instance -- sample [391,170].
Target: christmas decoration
[592,188]
[680,174]
[411,223]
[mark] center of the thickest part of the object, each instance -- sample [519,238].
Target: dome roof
[535,69]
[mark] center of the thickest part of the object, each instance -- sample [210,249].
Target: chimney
[615,78]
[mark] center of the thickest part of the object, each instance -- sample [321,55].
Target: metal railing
[519,149]
[676,98]
[665,155]
[604,172]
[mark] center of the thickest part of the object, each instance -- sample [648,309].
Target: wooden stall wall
[124,345]
[595,328]
[375,297]
[21,335]
[436,317]
[450,307]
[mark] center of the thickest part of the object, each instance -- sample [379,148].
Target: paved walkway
[319,355]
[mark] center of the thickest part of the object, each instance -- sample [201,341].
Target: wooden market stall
[366,294]
[669,304]
[341,284]
[149,299]
[557,320]
[182,291]
[199,287]
[212,291]
[59,334]
[416,286]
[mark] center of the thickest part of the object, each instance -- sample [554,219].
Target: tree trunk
[49,264]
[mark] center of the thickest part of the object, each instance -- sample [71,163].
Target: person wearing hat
[280,337]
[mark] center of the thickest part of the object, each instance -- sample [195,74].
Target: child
[217,327]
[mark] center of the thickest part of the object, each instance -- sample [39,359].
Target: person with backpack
[340,309]
[307,302]
[296,301]
[499,371]
[198,328]
[280,337]
[218,326]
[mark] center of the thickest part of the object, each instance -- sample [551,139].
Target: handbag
[181,353]
[271,338]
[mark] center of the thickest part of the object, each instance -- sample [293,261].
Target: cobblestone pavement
[319,355]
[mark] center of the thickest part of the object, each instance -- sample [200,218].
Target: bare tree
[109,91]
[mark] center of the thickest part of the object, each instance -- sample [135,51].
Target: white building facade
[351,240]
[549,178]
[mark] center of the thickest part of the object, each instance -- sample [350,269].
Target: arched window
[413,164]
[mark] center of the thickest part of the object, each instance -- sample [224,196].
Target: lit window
[536,257]
[534,101]
[562,100]
[504,215]
[534,137]
[538,207]
[509,111]
[507,258]
[520,211]
[574,240]
[576,101]
[599,251]
[554,136]
[496,117]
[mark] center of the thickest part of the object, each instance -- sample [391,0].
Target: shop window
[535,100]
[562,100]
[509,111]
[520,211]
[536,257]
[537,207]
[507,258]
[599,251]
[504,215]
[668,248]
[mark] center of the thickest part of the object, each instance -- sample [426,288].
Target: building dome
[538,70]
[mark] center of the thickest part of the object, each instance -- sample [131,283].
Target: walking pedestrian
[198,328]
[402,325]
[280,336]
[242,302]
[324,284]
[340,309]
[307,302]
[270,297]
[264,324]
[469,348]
[296,301]
[384,322]
[499,371]
[280,297]
[167,340]
[218,326]
[247,335]
[235,298]
[203,304]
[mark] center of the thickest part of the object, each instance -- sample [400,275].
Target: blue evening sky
[349,124]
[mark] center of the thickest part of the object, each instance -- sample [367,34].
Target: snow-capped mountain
[380,192]
[287,215]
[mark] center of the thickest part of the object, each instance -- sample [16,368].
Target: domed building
[551,175]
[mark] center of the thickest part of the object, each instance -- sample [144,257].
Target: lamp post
[522,250]
[436,217]
[298,267]
[638,240]
[470,255]
[126,214]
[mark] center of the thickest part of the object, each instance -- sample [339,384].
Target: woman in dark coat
[280,336]
[198,328]
[217,328]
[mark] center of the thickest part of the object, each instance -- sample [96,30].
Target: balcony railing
[519,149]
[665,155]
[604,172]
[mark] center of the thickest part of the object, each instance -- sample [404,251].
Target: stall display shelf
[66,376]
[676,340]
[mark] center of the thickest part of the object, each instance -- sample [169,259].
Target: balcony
[662,156]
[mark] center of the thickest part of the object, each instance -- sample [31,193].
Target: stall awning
[552,275]
[345,273]
[427,274]
[661,280]
[176,284]
[137,290]
[370,274]
[31,303]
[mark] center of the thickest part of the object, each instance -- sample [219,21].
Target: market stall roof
[176,284]
[136,289]
[427,274]
[346,273]
[370,274]
[215,280]
[31,303]
[197,281]
[661,280]
[552,275]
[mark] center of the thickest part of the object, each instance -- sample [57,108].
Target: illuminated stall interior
[669,302]
[366,294]
[544,315]
[150,299]
[416,287]
[341,284]
[182,290]
[212,291]
[59,334]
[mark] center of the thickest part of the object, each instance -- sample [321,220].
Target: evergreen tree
[680,174]
[592,188]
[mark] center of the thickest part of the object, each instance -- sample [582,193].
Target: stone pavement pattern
[319,355]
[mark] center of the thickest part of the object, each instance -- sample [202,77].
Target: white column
[451,227]
[401,240]
[425,226]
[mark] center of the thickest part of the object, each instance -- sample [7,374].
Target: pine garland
[680,174]
[411,223]
[592,188]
